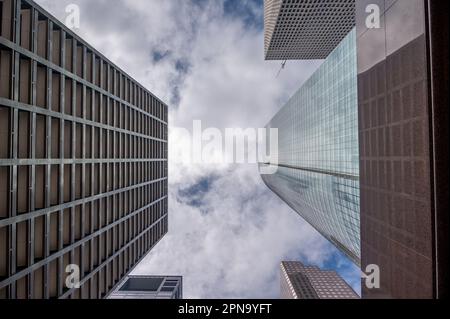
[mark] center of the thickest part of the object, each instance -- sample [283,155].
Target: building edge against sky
[403,135]
[318,158]
[305,29]
[83,161]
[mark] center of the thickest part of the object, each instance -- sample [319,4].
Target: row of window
[75,186]
[63,50]
[89,257]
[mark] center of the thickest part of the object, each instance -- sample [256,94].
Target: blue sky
[228,233]
[249,11]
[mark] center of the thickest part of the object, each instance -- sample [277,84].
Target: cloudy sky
[228,233]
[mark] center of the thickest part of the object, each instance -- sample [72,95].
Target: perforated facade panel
[305,29]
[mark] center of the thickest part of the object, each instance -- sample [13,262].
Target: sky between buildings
[228,233]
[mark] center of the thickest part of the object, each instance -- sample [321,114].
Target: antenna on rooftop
[283,64]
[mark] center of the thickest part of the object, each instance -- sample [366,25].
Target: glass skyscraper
[318,159]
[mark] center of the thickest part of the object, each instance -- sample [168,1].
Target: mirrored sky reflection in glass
[319,151]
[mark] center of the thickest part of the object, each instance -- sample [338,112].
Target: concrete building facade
[306,282]
[83,161]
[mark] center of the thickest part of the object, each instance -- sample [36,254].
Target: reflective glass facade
[318,160]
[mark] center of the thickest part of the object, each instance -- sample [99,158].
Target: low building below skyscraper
[149,287]
[309,282]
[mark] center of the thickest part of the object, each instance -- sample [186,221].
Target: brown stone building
[403,111]
[403,133]
[83,161]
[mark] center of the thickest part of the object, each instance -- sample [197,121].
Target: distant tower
[149,287]
[304,282]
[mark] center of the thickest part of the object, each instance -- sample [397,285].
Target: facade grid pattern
[83,161]
[318,158]
[305,29]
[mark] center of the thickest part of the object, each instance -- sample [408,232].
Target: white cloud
[234,249]
[230,246]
